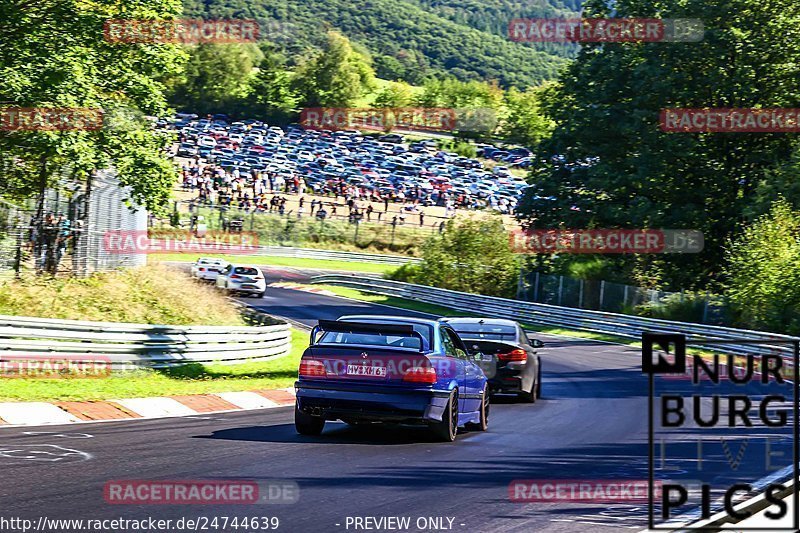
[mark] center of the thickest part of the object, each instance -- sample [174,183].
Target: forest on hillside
[411,40]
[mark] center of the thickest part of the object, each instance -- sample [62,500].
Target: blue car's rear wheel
[446,429]
[306,424]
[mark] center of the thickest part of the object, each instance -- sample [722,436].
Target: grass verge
[151,295]
[189,379]
[321,264]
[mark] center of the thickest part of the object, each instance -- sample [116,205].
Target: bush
[408,273]
[689,307]
[471,256]
[464,149]
[763,269]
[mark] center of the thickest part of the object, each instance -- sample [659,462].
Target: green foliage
[53,54]
[394,95]
[410,40]
[763,267]
[620,170]
[217,76]
[472,256]
[408,273]
[591,267]
[270,94]
[451,93]
[783,181]
[476,104]
[525,122]
[336,76]
[688,307]
[464,149]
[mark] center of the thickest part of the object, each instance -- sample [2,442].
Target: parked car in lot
[519,368]
[391,138]
[187,150]
[208,268]
[386,165]
[242,279]
[362,369]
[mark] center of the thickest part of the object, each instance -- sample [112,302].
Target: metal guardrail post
[602,294]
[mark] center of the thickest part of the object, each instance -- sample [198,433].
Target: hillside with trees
[409,40]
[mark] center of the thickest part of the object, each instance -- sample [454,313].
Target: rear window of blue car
[378,339]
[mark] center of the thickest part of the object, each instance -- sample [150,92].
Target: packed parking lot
[392,168]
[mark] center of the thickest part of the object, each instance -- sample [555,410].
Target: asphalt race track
[590,425]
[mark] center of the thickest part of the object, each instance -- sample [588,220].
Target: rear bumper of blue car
[354,402]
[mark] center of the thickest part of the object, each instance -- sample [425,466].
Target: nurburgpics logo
[731,423]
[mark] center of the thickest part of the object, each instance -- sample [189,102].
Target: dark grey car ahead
[518,367]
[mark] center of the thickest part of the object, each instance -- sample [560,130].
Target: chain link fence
[602,295]
[63,231]
[289,229]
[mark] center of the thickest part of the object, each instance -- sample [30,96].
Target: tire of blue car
[446,429]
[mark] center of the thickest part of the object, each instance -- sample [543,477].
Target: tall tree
[270,92]
[524,121]
[217,77]
[608,163]
[54,54]
[336,76]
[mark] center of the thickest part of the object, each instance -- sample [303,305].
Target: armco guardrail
[580,319]
[138,345]
[334,255]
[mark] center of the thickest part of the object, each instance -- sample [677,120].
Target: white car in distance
[208,268]
[242,279]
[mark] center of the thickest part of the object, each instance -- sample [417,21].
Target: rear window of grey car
[486,331]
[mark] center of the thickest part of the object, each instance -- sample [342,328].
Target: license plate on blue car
[364,370]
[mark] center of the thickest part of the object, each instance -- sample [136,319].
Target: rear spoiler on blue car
[342,326]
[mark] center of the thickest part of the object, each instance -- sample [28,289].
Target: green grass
[189,379]
[335,233]
[380,84]
[151,295]
[323,264]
